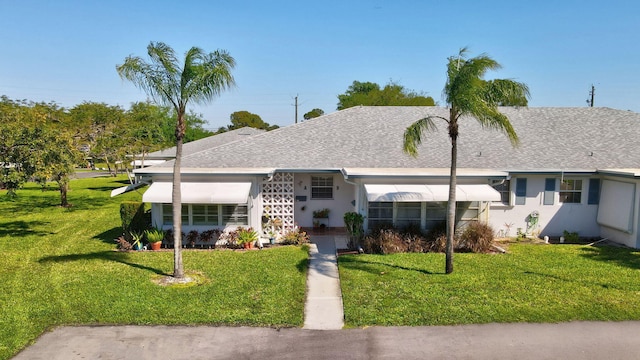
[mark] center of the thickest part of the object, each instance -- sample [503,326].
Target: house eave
[206,171]
[355,173]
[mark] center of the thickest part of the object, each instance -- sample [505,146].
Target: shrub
[295,236]
[570,237]
[353,222]
[133,216]
[123,244]
[230,237]
[388,241]
[192,237]
[168,237]
[476,237]
[210,235]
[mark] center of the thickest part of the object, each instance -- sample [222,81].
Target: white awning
[419,193]
[200,193]
[147,162]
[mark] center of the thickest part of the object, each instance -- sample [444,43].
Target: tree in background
[314,113]
[468,95]
[240,119]
[42,147]
[103,130]
[199,79]
[368,94]
[145,123]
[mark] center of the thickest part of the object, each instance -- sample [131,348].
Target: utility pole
[592,93]
[297,108]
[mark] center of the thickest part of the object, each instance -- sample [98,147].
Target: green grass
[533,283]
[59,267]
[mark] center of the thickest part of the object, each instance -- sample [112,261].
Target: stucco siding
[554,218]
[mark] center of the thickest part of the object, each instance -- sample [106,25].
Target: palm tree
[202,77]
[467,95]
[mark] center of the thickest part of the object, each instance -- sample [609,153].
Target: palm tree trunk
[451,204]
[176,199]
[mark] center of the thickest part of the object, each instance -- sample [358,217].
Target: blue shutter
[594,192]
[549,191]
[521,191]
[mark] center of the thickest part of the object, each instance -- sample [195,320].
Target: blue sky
[66,51]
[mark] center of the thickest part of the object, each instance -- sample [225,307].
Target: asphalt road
[575,340]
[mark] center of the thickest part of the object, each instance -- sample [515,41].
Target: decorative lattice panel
[278,198]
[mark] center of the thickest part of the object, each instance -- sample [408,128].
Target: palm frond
[413,134]
[506,92]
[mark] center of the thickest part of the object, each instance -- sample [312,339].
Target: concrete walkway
[323,308]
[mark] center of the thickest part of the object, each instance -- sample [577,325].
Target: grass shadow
[302,265]
[354,262]
[22,228]
[109,236]
[621,256]
[119,257]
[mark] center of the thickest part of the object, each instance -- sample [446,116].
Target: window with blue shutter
[549,191]
[594,192]
[521,191]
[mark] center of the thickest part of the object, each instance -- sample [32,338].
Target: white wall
[553,219]
[343,195]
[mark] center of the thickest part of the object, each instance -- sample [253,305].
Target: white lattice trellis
[278,198]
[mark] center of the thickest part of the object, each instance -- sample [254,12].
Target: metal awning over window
[200,193]
[420,193]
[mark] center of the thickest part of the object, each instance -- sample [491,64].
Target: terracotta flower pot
[156,245]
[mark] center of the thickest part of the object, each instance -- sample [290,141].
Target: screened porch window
[408,214]
[208,214]
[167,214]
[380,213]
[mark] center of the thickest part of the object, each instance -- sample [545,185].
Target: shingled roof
[205,143]
[551,139]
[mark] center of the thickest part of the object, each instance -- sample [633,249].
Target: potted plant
[136,239]
[246,237]
[321,214]
[320,218]
[154,237]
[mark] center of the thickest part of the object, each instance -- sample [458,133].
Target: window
[380,213]
[322,187]
[549,191]
[521,191]
[571,191]
[408,214]
[435,214]
[235,215]
[594,192]
[503,189]
[206,214]
[167,214]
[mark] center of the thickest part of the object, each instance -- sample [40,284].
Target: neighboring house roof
[206,143]
[551,139]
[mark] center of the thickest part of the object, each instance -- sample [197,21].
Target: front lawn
[58,267]
[533,283]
